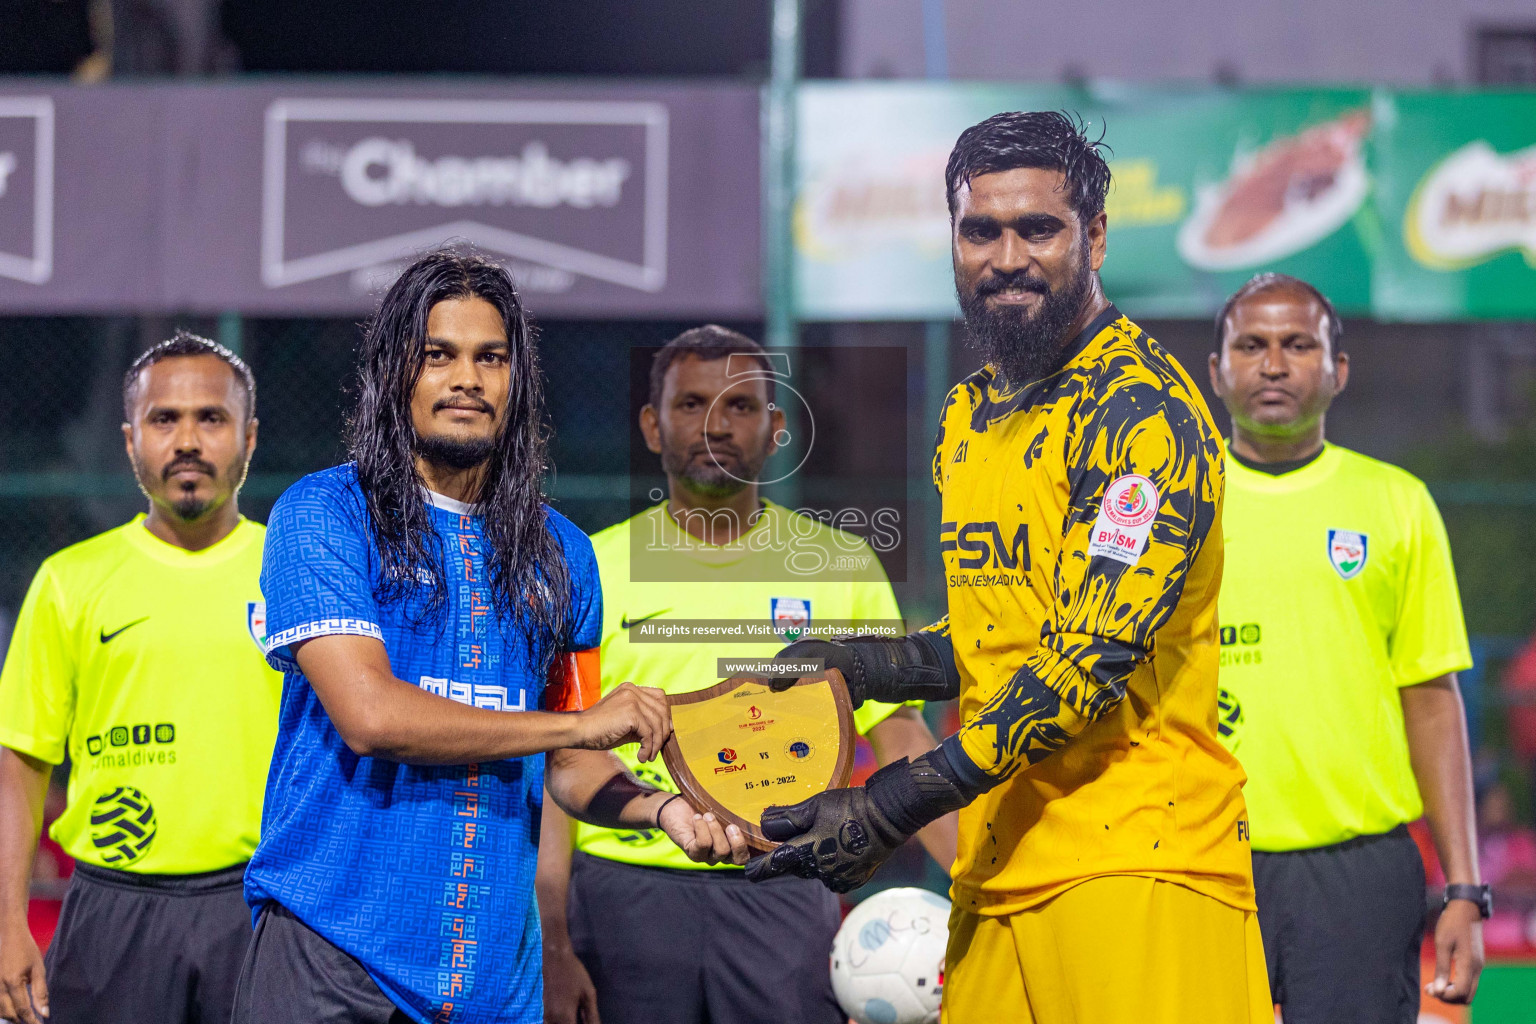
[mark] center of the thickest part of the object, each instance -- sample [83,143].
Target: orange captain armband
[575,683]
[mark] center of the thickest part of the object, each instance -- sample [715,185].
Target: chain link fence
[64,475]
[1454,403]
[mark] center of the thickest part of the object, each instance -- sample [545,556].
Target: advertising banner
[1456,187]
[81,193]
[26,175]
[306,198]
[1210,186]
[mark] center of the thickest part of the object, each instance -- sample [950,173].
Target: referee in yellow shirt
[1341,637]
[632,929]
[137,655]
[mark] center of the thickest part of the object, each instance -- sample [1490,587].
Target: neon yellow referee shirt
[1338,590]
[143,662]
[743,581]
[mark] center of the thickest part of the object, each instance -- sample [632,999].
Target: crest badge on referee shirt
[791,616]
[1347,552]
[256,622]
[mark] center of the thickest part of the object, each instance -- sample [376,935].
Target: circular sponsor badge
[799,749]
[1131,501]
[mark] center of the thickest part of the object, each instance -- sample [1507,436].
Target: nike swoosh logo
[626,622]
[105,636]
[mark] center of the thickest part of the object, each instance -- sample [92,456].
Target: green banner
[1456,187]
[1210,187]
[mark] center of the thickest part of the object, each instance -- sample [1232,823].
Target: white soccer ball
[888,958]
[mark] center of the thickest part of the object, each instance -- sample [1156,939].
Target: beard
[187,505]
[724,470]
[1025,345]
[455,452]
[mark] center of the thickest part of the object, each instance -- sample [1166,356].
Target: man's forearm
[552,879]
[379,715]
[23,785]
[1435,722]
[595,787]
[416,727]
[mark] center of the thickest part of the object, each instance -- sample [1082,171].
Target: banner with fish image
[1210,186]
[1398,206]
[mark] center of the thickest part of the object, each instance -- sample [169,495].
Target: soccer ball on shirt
[888,958]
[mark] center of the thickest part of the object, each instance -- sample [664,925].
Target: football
[888,958]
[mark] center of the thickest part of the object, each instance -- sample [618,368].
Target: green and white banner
[1456,188]
[1210,187]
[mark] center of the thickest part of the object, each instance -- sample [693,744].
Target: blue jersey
[424,874]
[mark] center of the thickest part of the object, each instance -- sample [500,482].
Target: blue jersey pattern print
[424,874]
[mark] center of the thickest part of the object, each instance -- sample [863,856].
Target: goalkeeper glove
[918,666]
[842,835]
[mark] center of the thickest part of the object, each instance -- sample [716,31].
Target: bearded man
[137,658]
[634,931]
[1104,873]
[418,599]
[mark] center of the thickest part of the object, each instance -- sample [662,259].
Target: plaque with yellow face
[738,748]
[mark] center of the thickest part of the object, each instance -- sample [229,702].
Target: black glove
[892,669]
[841,836]
[831,654]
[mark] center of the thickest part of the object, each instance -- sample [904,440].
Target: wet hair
[185,343]
[1047,139]
[528,574]
[1263,283]
[706,343]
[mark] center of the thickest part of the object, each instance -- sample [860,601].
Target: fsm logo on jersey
[578,188]
[26,188]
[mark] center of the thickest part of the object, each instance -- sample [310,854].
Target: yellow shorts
[1108,951]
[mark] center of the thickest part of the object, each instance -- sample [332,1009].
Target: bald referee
[137,655]
[1341,637]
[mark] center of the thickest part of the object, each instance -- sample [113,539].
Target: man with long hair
[137,660]
[1104,873]
[419,598]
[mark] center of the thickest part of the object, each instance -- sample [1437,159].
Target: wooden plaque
[737,747]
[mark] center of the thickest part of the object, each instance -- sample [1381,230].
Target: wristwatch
[1482,895]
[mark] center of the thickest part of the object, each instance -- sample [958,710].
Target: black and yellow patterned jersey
[1082,550]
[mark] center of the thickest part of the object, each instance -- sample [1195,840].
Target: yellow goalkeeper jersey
[1082,549]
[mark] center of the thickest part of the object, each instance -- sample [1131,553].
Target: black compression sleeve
[606,807]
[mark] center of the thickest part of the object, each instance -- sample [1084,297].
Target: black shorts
[293,976]
[132,948]
[1342,928]
[672,946]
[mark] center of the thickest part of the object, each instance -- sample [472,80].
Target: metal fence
[64,476]
[1456,404]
